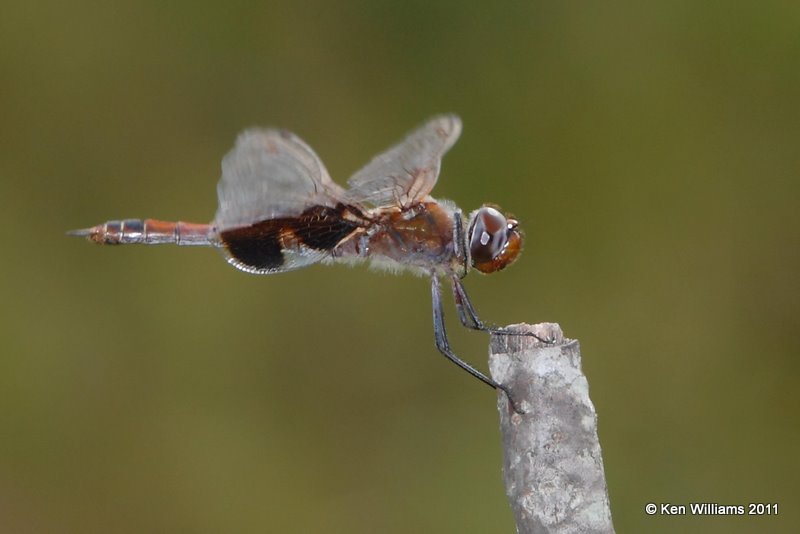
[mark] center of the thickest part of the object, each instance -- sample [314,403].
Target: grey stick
[552,464]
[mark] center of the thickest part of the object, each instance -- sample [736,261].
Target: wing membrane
[407,172]
[271,174]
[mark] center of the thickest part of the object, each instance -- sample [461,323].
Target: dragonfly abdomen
[148,232]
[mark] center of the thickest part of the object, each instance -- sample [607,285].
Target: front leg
[443,345]
[470,319]
[460,244]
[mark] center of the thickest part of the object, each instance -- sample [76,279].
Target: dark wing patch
[321,227]
[257,247]
[264,247]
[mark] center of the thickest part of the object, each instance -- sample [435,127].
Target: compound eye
[494,240]
[488,236]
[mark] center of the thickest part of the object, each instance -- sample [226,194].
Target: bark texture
[553,467]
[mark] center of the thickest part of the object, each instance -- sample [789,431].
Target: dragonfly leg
[443,345]
[469,317]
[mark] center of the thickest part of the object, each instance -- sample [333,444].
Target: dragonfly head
[494,239]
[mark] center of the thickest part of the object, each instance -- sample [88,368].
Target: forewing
[271,174]
[406,173]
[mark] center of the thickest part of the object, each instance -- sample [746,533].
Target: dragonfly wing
[276,261]
[284,244]
[407,172]
[271,174]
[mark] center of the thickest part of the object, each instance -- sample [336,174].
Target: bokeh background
[650,150]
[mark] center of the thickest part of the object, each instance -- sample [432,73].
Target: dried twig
[553,467]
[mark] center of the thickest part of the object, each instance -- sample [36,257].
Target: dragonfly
[279,210]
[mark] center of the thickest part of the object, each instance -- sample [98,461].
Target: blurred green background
[650,150]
